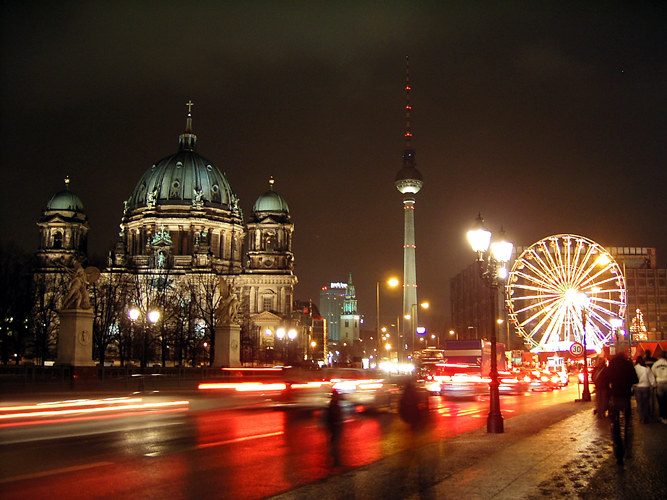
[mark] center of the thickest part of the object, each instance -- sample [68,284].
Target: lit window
[267,303]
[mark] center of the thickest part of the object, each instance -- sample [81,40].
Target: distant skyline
[547,117]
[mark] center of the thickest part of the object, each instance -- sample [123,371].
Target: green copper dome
[65,200]
[184,178]
[270,202]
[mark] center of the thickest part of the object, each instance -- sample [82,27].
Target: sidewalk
[558,452]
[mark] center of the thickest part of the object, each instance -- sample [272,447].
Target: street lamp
[280,335]
[133,314]
[291,335]
[492,270]
[582,302]
[392,282]
[153,317]
[412,317]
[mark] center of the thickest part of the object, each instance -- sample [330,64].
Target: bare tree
[206,298]
[108,300]
[15,302]
[47,292]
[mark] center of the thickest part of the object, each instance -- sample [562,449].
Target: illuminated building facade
[408,182]
[332,298]
[350,320]
[182,228]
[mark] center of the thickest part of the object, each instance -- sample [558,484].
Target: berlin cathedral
[182,229]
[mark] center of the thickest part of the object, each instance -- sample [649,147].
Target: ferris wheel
[562,286]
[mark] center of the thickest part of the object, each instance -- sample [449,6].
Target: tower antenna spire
[408,182]
[408,108]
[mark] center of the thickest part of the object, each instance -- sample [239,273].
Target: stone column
[75,339]
[227,345]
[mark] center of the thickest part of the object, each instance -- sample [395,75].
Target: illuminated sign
[338,285]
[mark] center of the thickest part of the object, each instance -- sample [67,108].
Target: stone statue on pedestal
[77,294]
[228,307]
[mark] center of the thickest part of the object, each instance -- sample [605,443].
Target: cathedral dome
[270,202]
[184,178]
[65,200]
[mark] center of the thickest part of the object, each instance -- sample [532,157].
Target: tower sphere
[409,180]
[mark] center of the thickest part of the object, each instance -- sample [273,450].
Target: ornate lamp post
[583,302]
[280,336]
[291,335]
[393,282]
[492,269]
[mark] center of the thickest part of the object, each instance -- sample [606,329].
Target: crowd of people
[615,384]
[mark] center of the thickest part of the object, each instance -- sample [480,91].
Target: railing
[65,377]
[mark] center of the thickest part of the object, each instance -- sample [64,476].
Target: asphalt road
[187,446]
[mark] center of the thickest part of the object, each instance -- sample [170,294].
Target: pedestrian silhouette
[659,369]
[643,390]
[335,426]
[413,406]
[619,377]
[601,391]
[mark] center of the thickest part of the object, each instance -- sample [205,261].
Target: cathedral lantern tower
[268,280]
[63,230]
[270,235]
[408,182]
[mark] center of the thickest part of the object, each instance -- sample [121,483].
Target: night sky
[548,117]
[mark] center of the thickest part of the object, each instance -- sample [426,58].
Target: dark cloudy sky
[546,116]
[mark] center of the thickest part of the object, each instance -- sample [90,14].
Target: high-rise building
[331,307]
[408,182]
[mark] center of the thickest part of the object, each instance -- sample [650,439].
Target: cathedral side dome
[65,200]
[270,203]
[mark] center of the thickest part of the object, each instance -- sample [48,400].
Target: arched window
[58,240]
[271,242]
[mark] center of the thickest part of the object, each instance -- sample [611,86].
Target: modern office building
[332,297]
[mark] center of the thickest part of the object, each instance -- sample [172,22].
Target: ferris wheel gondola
[563,286]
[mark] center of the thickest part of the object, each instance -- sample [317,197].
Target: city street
[193,445]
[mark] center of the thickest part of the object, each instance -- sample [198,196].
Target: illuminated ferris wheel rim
[548,283]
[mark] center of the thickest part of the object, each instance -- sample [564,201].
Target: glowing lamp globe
[133,314]
[502,250]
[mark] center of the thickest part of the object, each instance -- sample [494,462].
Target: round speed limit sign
[576,349]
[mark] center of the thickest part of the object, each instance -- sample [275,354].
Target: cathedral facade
[181,231]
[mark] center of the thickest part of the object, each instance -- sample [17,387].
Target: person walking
[643,390]
[335,426]
[601,392]
[619,377]
[659,369]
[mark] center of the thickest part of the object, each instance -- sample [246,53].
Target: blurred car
[455,380]
[364,389]
[540,381]
[513,383]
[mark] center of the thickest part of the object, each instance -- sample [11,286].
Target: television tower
[409,181]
